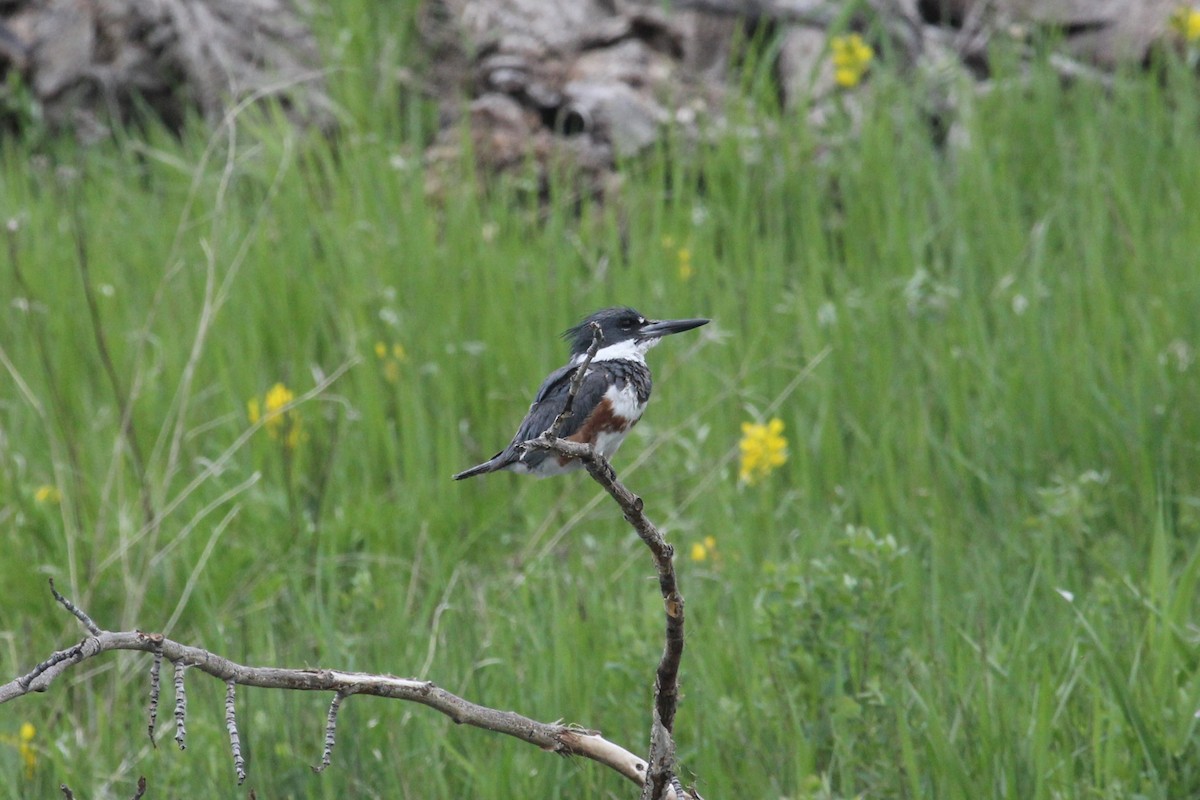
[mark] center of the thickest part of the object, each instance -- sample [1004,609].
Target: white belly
[624,404]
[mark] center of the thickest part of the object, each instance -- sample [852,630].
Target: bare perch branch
[561,739]
[666,684]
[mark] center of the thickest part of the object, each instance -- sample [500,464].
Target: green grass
[984,357]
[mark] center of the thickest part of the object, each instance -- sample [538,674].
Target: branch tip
[78,613]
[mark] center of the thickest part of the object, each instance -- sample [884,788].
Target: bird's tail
[491,465]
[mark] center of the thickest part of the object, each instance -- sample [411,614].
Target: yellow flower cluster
[25,748]
[851,59]
[390,359]
[683,258]
[764,449]
[702,550]
[47,494]
[1185,21]
[283,426]
[24,744]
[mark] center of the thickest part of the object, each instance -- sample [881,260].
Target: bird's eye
[627,323]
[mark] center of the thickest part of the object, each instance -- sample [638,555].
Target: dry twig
[330,733]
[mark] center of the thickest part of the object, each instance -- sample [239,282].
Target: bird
[611,398]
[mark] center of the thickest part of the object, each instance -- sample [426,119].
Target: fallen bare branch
[555,738]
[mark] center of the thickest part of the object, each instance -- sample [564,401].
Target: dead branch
[552,737]
[666,683]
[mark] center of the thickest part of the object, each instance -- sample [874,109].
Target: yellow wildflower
[684,257]
[763,447]
[280,425]
[391,360]
[47,494]
[851,59]
[277,397]
[1185,21]
[25,748]
[702,550]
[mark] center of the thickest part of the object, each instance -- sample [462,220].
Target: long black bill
[665,327]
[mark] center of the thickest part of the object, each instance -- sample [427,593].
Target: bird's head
[625,332]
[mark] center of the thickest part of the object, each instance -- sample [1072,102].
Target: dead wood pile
[541,82]
[86,63]
[589,81]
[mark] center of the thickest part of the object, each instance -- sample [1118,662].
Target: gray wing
[549,403]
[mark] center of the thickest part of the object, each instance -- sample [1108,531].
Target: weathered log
[591,81]
[537,83]
[87,64]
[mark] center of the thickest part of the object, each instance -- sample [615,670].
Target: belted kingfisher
[611,397]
